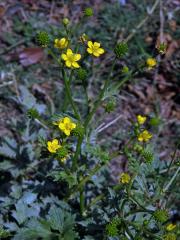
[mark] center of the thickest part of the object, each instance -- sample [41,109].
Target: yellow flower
[94,49]
[53,145]
[144,136]
[151,62]
[125,178]
[66,125]
[170,227]
[71,58]
[60,43]
[141,119]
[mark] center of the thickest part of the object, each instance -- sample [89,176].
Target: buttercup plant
[137,205]
[73,132]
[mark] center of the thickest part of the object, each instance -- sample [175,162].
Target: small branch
[172,180]
[131,35]
[6,84]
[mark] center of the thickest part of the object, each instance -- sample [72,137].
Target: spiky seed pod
[78,131]
[62,152]
[82,74]
[33,113]
[155,121]
[170,236]
[88,12]
[112,228]
[121,49]
[161,215]
[110,106]
[137,147]
[43,39]
[148,156]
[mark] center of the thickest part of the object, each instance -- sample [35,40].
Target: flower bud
[66,21]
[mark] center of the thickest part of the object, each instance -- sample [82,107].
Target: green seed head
[88,12]
[170,236]
[33,113]
[62,152]
[161,215]
[43,39]
[110,106]
[78,131]
[121,49]
[82,74]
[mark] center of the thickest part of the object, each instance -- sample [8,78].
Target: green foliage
[47,197]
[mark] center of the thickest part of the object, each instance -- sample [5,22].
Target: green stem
[171,181]
[77,153]
[65,104]
[86,179]
[82,200]
[69,94]
[97,103]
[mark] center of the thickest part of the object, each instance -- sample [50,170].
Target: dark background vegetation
[29,78]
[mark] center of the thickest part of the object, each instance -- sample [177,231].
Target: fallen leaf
[172,47]
[2,11]
[31,56]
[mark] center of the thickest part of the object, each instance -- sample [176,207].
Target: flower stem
[69,94]
[82,200]
[77,153]
[97,103]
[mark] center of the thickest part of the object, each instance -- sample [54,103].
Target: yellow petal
[55,142]
[62,41]
[77,57]
[73,125]
[90,44]
[67,132]
[140,139]
[68,63]
[75,65]
[96,44]
[64,56]
[69,52]
[89,50]
[61,126]
[96,53]
[66,120]
[100,50]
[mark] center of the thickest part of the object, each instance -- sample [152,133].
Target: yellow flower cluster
[94,48]
[125,178]
[61,43]
[53,146]
[71,58]
[151,63]
[144,136]
[66,125]
[141,119]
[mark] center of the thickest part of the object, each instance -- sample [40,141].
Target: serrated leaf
[7,151]
[56,218]
[6,165]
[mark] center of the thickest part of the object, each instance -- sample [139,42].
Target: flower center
[71,58]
